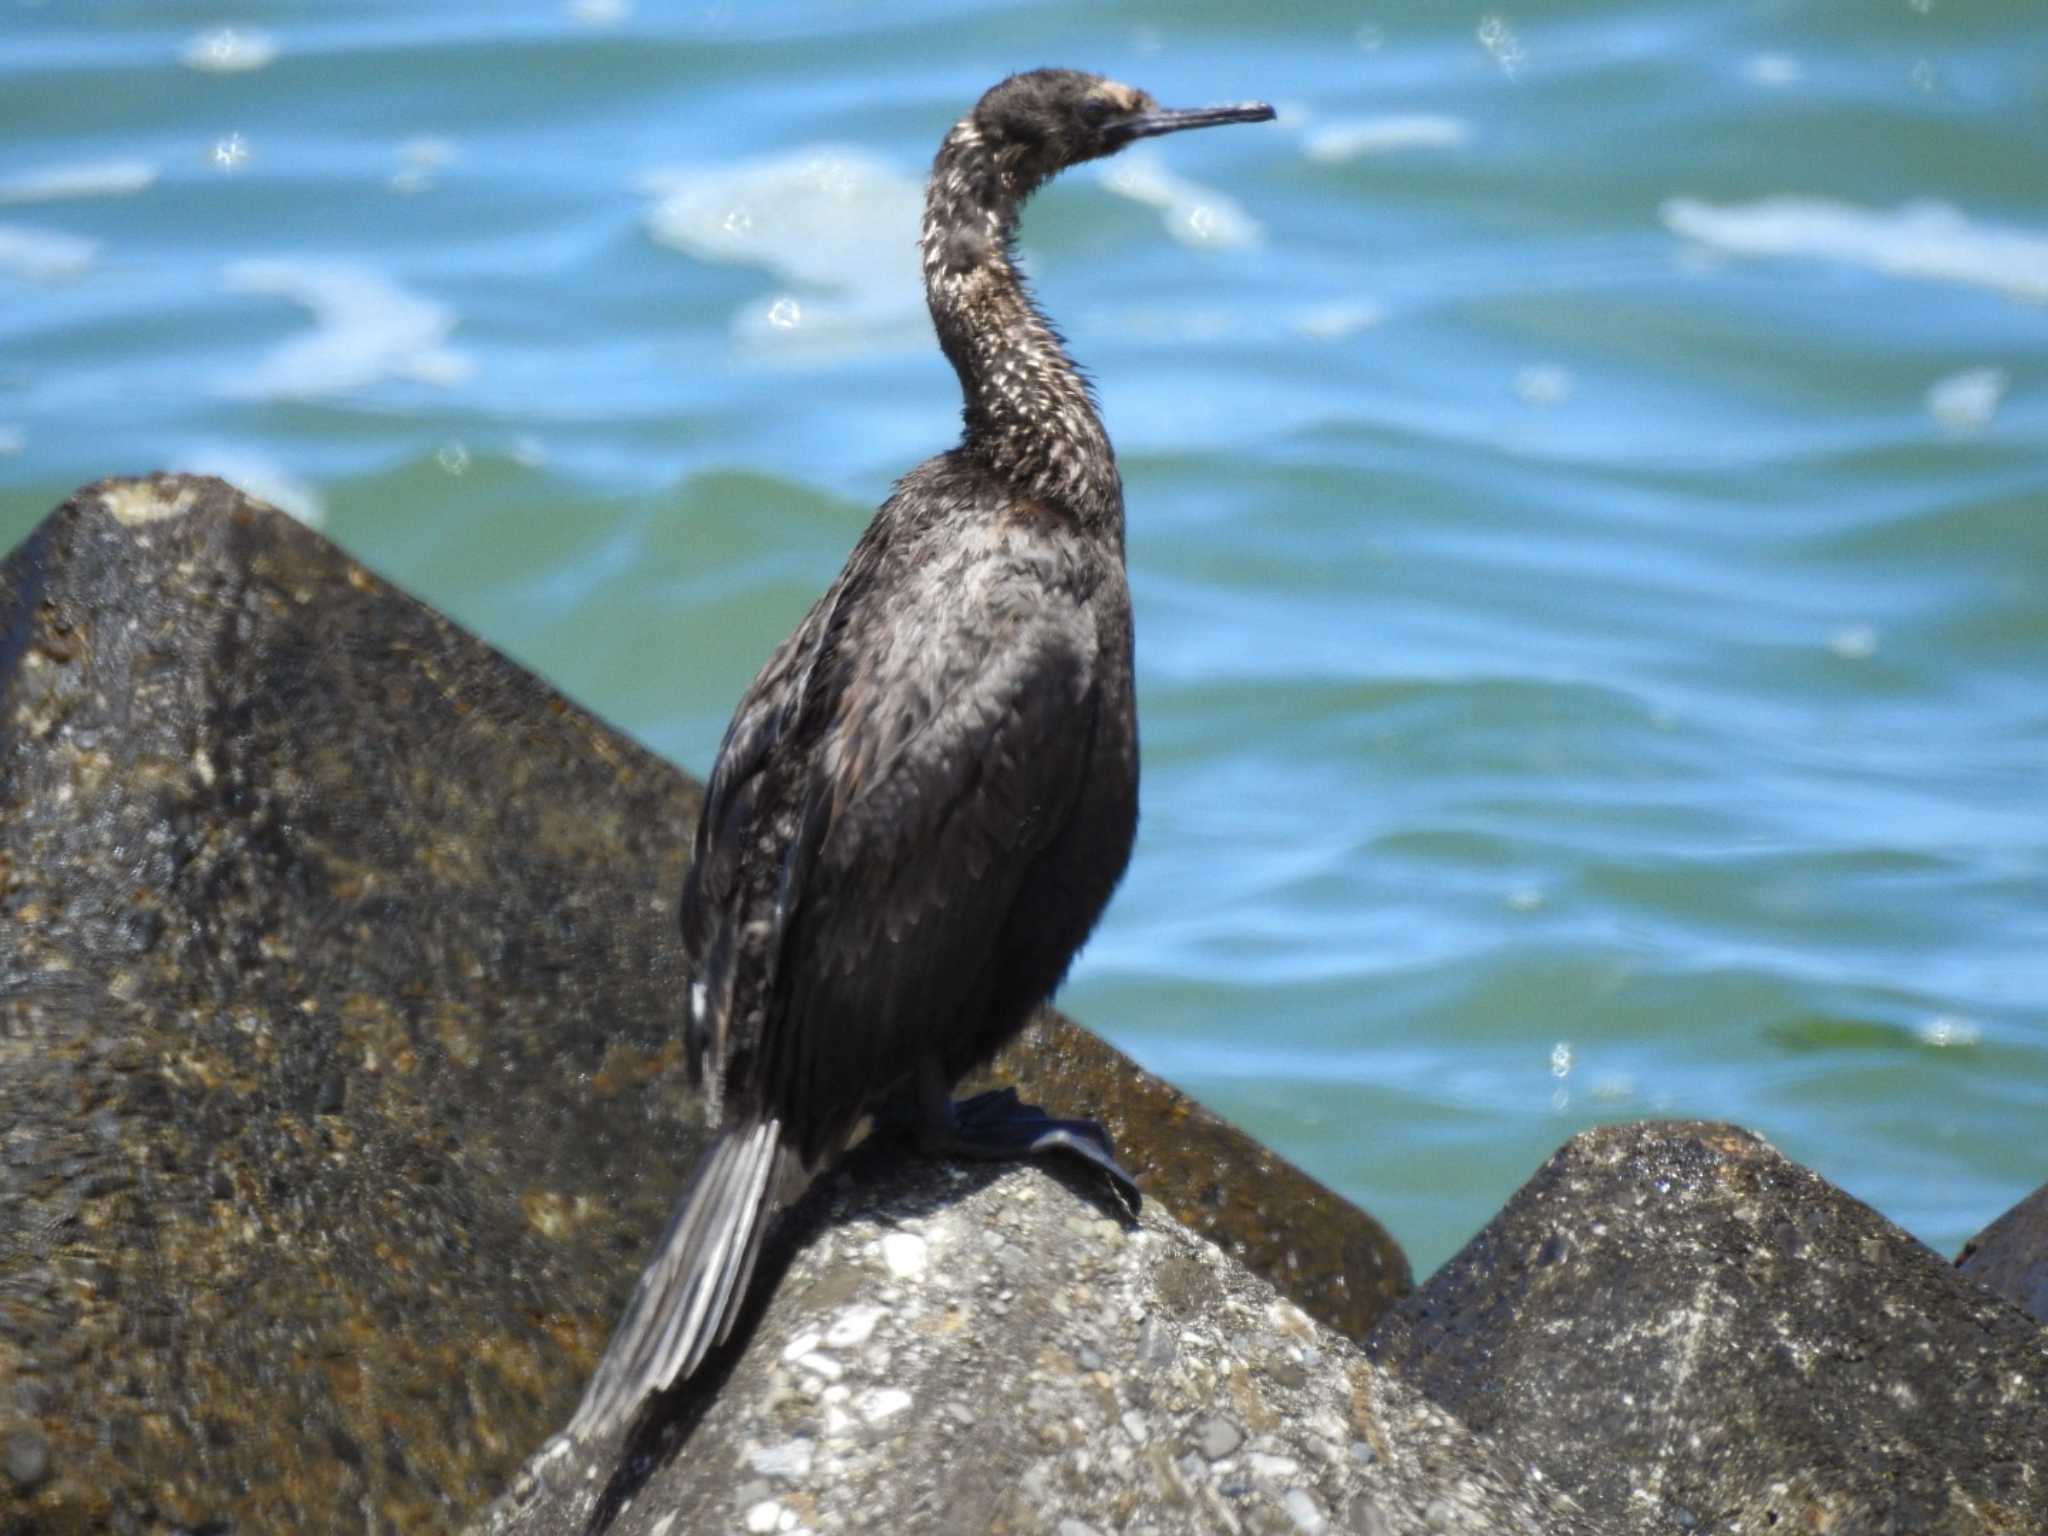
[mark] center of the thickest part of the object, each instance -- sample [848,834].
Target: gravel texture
[1015,1381]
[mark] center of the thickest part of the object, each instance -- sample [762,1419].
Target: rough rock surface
[339,1091]
[337,1086]
[989,1351]
[2011,1256]
[1317,1247]
[1673,1318]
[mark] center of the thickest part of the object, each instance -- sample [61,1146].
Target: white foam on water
[1948,1029]
[1337,320]
[1925,240]
[224,51]
[420,161]
[1543,384]
[1966,402]
[1498,39]
[1774,71]
[260,476]
[1351,137]
[366,329]
[1194,214]
[44,255]
[598,13]
[838,225]
[91,178]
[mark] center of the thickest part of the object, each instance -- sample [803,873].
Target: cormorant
[923,802]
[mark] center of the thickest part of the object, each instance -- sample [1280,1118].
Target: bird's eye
[1097,110]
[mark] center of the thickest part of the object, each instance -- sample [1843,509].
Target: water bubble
[1854,642]
[1527,898]
[230,153]
[453,457]
[785,314]
[1561,1059]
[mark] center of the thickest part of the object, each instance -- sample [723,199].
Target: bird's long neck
[1029,414]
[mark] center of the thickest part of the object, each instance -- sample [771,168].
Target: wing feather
[878,800]
[914,873]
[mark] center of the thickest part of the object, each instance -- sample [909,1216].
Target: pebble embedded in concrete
[905,1253]
[790,1460]
[853,1327]
[802,1344]
[1216,1437]
[28,1461]
[821,1365]
[879,1403]
[1306,1514]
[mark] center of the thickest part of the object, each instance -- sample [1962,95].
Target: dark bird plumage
[924,801]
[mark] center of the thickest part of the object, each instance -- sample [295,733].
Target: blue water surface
[1589,516]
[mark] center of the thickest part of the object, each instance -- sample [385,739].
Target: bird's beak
[1146,125]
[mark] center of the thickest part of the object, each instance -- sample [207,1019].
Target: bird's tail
[690,1293]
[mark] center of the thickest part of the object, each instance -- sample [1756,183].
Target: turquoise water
[1589,515]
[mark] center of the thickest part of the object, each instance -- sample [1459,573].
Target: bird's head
[1036,124]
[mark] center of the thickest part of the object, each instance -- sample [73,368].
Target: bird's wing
[739,827]
[940,777]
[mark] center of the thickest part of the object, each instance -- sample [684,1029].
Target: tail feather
[690,1293]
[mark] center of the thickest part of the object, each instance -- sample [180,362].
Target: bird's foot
[997,1126]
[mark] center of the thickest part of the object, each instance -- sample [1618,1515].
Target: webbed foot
[997,1126]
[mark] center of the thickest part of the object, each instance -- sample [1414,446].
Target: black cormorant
[925,799]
